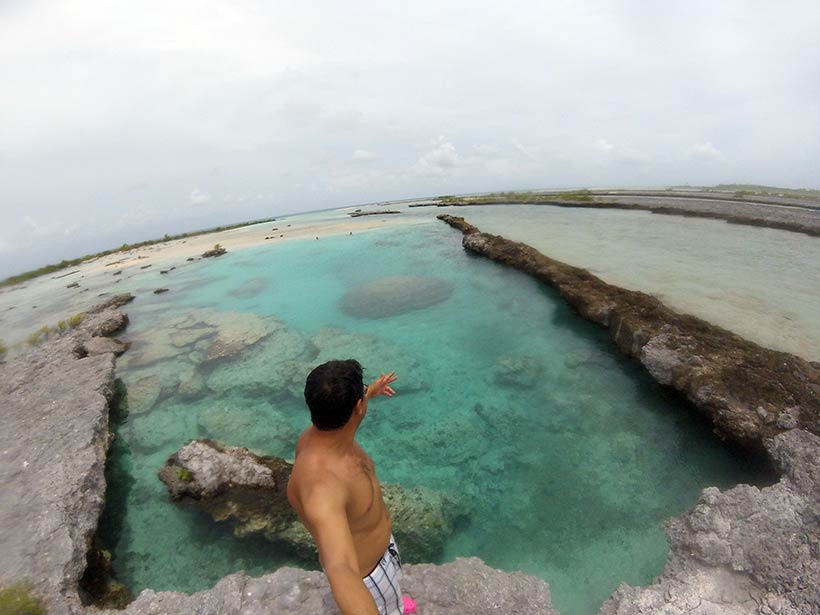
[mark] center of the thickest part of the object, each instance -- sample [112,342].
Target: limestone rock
[215,251]
[104,323]
[191,385]
[183,337]
[258,425]
[422,520]
[143,394]
[466,585]
[273,367]
[155,430]
[235,484]
[53,439]
[117,301]
[103,345]
[746,550]
[237,331]
[394,295]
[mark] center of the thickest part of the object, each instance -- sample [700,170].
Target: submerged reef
[250,490]
[750,393]
[394,295]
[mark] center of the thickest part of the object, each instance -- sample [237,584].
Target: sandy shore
[286,229]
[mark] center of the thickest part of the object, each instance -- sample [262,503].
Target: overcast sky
[121,121]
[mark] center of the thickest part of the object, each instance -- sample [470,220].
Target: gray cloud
[117,118]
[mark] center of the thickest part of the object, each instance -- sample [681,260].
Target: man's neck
[339,440]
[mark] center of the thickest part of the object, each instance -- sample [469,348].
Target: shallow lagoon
[761,283]
[568,466]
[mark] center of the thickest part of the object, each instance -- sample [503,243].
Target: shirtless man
[334,490]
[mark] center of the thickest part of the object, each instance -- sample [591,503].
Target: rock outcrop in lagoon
[750,393]
[250,490]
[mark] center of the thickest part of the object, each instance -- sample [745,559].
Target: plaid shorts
[383,582]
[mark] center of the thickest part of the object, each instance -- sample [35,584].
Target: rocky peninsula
[795,215]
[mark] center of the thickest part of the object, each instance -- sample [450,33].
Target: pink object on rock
[409,605]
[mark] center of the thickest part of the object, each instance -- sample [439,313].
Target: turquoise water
[568,463]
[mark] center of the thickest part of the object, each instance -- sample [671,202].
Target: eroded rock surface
[250,490]
[744,551]
[466,585]
[725,376]
[53,441]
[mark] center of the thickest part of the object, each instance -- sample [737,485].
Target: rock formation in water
[53,438]
[466,585]
[217,250]
[394,295]
[749,392]
[745,551]
[250,490]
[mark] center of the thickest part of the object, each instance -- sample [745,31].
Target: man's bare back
[334,490]
[317,465]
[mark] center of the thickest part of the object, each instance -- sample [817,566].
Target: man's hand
[381,386]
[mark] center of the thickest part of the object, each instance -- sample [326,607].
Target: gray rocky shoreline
[741,551]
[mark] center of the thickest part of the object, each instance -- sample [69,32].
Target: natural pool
[566,455]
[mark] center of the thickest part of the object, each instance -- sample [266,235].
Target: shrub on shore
[18,600]
[75,320]
[43,332]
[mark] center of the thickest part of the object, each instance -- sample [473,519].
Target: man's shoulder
[315,478]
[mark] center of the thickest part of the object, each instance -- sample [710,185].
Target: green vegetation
[43,332]
[3,348]
[184,474]
[28,275]
[18,600]
[75,320]
[743,190]
[39,335]
[217,246]
[582,196]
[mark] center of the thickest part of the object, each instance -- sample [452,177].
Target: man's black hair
[331,392]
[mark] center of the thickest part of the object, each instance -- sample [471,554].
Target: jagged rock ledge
[53,442]
[750,393]
[466,585]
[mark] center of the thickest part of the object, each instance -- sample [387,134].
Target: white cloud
[706,151]
[198,197]
[603,145]
[292,98]
[363,155]
[483,149]
[441,158]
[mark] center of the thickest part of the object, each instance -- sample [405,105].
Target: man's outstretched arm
[327,521]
